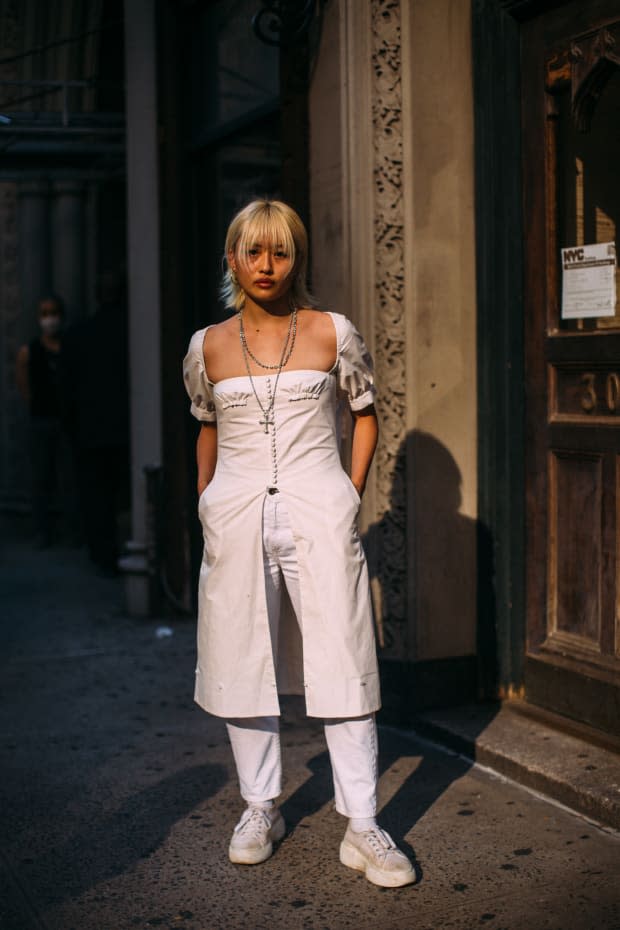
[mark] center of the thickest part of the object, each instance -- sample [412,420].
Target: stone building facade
[409,134]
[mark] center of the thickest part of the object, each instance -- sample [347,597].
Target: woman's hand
[365,435]
[206,454]
[360,490]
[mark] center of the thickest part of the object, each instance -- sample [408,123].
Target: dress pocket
[356,493]
[201,498]
[354,490]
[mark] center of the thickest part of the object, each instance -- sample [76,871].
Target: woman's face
[264,272]
[50,317]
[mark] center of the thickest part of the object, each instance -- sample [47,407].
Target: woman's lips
[265,282]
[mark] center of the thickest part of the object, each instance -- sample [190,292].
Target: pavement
[118,796]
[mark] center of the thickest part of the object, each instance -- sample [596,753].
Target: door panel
[575,540]
[571,123]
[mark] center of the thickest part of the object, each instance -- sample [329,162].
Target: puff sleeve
[197,385]
[355,366]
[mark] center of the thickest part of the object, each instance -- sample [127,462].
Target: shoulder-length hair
[275,226]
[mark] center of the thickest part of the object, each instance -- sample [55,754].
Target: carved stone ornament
[390,546]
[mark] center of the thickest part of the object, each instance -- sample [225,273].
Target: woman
[283,598]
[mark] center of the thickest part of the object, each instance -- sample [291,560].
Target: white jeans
[255,741]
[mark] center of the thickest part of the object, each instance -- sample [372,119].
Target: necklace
[290,343]
[268,418]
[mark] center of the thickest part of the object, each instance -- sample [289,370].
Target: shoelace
[253,822]
[380,841]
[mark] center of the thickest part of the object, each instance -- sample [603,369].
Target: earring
[232,276]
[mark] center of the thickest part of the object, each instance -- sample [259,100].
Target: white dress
[335,666]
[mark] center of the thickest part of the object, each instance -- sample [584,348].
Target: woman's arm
[365,434]
[206,454]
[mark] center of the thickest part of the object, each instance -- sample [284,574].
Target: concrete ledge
[506,738]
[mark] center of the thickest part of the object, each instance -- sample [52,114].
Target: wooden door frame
[554,681]
[499,273]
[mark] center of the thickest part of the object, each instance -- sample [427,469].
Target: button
[272,490]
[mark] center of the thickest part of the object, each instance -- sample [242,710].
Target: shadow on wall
[442,616]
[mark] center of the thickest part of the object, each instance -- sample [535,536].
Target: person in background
[38,381]
[95,408]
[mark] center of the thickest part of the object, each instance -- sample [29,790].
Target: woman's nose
[266,262]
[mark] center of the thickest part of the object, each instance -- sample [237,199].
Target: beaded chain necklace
[287,350]
[290,342]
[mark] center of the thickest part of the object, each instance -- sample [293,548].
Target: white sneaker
[253,837]
[375,853]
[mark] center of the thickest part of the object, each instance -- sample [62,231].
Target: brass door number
[589,396]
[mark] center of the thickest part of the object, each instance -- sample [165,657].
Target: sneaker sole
[353,859]
[259,853]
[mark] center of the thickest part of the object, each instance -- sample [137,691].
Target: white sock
[360,824]
[262,805]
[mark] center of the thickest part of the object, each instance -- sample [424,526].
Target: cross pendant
[266,422]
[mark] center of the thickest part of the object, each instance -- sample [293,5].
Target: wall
[443,341]
[391,176]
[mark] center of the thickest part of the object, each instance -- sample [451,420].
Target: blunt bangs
[269,230]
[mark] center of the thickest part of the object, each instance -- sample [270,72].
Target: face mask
[50,325]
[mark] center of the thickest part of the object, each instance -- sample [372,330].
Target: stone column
[68,251]
[34,251]
[144,298]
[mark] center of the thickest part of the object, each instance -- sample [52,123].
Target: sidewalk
[118,797]
[540,750]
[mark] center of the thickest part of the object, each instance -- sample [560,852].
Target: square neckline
[318,371]
[289,371]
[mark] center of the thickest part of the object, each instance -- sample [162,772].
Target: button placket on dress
[273,487]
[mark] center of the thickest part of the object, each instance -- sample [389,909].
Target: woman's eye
[280,254]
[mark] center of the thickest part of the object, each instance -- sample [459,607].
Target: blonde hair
[276,226]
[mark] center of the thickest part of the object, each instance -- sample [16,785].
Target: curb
[573,771]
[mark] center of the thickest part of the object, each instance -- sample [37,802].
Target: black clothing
[53,481]
[43,380]
[51,466]
[95,380]
[104,493]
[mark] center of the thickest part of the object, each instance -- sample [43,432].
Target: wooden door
[571,163]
